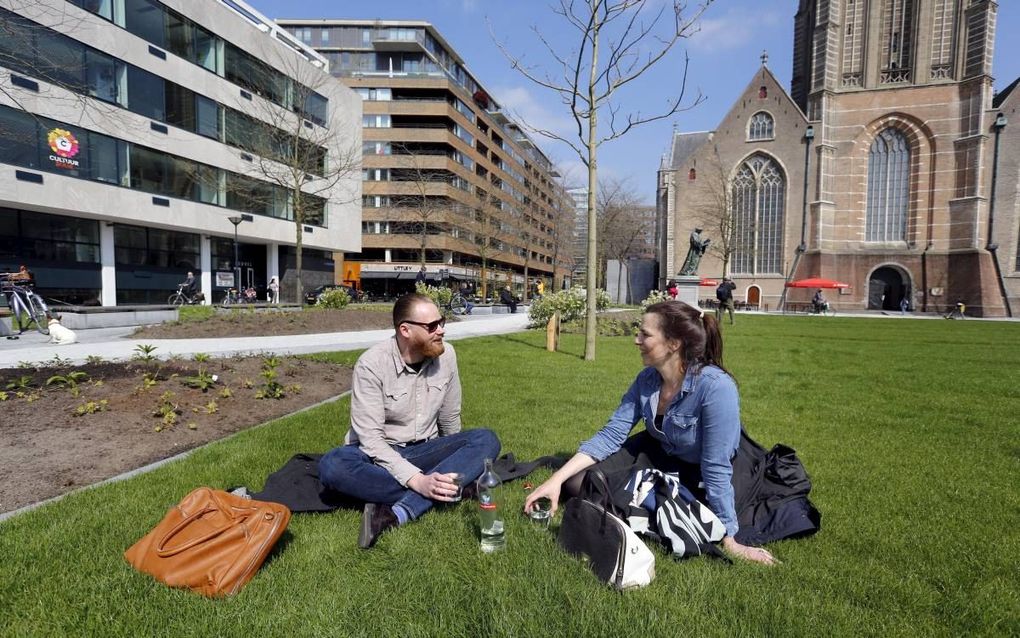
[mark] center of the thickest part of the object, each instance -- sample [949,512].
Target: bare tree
[632,35]
[484,235]
[306,163]
[622,227]
[562,234]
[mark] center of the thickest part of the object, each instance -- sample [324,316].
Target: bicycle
[231,298]
[181,297]
[23,300]
[823,309]
[459,305]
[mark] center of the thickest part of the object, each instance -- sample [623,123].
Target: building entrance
[886,286]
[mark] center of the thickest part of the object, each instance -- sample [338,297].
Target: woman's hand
[550,490]
[753,554]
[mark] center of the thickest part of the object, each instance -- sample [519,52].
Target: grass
[909,429]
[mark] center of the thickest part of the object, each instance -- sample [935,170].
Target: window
[759,200]
[101,75]
[19,138]
[375,174]
[888,187]
[104,159]
[376,148]
[145,94]
[760,127]
[207,117]
[376,121]
[206,50]
[144,18]
[180,36]
[180,106]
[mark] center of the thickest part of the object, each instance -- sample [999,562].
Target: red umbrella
[708,282]
[817,282]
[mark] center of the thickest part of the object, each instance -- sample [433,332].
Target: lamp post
[809,135]
[236,221]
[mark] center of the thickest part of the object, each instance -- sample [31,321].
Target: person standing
[274,290]
[904,305]
[405,442]
[421,276]
[724,293]
[671,289]
[541,288]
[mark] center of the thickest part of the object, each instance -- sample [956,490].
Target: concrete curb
[158,464]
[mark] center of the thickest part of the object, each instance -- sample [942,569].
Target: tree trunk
[590,327]
[299,220]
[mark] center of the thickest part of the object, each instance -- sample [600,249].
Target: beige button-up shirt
[393,405]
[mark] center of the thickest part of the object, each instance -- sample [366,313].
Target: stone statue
[697,249]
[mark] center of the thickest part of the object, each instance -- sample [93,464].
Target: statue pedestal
[687,289]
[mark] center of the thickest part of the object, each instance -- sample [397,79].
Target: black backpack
[722,293]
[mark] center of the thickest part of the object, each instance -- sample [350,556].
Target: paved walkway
[115,344]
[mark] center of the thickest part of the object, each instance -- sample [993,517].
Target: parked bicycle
[23,301]
[460,305]
[183,297]
[232,298]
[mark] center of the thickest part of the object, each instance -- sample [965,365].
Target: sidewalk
[115,344]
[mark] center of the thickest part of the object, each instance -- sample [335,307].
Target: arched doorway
[754,297]
[886,286]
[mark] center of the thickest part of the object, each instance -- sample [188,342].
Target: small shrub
[3,396]
[23,382]
[69,380]
[195,314]
[226,393]
[571,304]
[334,299]
[211,407]
[167,410]
[440,295]
[58,362]
[200,357]
[654,297]
[91,407]
[94,359]
[201,381]
[143,352]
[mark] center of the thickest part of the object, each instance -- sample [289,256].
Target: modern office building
[889,165]
[446,171]
[139,138]
[579,236]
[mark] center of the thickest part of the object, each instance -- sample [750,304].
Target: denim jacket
[701,426]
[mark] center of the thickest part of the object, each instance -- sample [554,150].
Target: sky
[724,53]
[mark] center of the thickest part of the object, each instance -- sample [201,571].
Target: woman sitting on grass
[691,411]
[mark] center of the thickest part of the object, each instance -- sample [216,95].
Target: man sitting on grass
[405,443]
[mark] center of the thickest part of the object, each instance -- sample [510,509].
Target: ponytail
[698,332]
[713,344]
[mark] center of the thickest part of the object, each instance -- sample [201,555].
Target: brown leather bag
[212,542]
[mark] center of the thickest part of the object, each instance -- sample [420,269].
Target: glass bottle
[489,503]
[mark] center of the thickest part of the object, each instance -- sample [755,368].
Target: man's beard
[433,349]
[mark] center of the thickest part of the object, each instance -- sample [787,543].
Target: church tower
[899,92]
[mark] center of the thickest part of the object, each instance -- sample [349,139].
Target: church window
[761,127]
[888,187]
[897,40]
[763,92]
[758,211]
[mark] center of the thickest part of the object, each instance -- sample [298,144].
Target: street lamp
[236,221]
[991,246]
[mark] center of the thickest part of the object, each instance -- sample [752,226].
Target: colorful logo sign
[65,147]
[63,143]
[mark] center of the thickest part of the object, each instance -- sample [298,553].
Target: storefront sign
[65,149]
[224,279]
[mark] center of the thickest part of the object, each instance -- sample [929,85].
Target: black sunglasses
[431,326]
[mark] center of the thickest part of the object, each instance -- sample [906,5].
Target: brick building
[889,165]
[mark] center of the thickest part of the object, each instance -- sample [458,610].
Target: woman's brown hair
[699,333]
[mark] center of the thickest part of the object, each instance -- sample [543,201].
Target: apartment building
[139,139]
[449,179]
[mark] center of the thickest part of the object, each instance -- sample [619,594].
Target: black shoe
[375,519]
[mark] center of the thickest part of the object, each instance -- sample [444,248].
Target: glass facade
[167,29]
[62,252]
[56,58]
[759,205]
[56,147]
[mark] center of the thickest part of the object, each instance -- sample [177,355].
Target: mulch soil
[46,450]
[253,323]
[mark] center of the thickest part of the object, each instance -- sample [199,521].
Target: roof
[1001,96]
[684,145]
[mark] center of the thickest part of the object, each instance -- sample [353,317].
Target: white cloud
[522,105]
[733,30]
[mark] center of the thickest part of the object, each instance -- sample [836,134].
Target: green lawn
[909,429]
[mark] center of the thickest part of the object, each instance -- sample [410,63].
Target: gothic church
[890,165]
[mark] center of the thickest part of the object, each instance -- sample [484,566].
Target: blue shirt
[701,426]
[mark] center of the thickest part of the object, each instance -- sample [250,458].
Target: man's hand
[437,487]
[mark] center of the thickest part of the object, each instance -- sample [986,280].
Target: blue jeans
[348,470]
